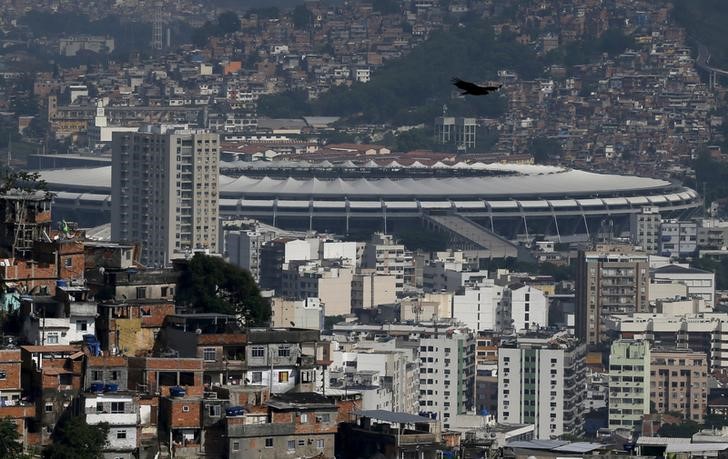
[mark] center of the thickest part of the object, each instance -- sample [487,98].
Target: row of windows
[291,444]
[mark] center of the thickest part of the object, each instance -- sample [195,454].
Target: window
[283,377]
[68,262]
[97,375]
[320,443]
[141,292]
[269,442]
[325,417]
[291,445]
[301,442]
[117,407]
[81,325]
[256,377]
[208,354]
[236,446]
[120,434]
[114,375]
[99,407]
[185,408]
[214,411]
[304,418]
[52,338]
[284,351]
[257,351]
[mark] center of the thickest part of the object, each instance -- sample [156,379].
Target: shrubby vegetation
[414,89]
[704,21]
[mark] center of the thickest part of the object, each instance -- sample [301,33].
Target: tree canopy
[685,430]
[75,439]
[544,149]
[213,285]
[10,446]
[228,22]
[27,181]
[302,17]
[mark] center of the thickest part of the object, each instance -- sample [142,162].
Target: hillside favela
[363,229]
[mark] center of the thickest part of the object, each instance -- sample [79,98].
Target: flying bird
[473,89]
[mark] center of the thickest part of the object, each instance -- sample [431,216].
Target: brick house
[12,403]
[302,424]
[53,374]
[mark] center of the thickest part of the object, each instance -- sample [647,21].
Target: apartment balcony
[114,419]
[225,365]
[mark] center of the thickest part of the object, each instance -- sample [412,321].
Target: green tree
[289,104]
[27,181]
[414,139]
[302,17]
[684,430]
[422,239]
[213,285]
[10,446]
[330,321]
[228,22]
[74,439]
[202,34]
[544,149]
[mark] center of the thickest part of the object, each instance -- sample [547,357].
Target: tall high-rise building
[164,190]
[542,381]
[461,131]
[614,279]
[679,382]
[629,383]
[447,376]
[645,229]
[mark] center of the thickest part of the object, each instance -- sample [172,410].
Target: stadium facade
[509,199]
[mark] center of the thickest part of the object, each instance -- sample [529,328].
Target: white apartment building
[447,375]
[523,307]
[699,283]
[308,313]
[645,229]
[164,190]
[678,238]
[702,332]
[442,276]
[41,326]
[478,307]
[243,249]
[542,381]
[387,257]
[387,378]
[312,279]
[121,411]
[350,253]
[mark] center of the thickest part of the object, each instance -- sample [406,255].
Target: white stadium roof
[527,181]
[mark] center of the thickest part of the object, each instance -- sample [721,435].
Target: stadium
[348,197]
